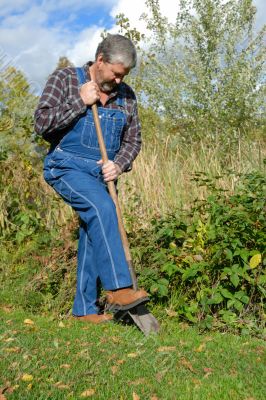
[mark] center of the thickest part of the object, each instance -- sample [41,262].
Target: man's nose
[118,80]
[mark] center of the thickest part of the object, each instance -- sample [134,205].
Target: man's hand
[90,93]
[110,170]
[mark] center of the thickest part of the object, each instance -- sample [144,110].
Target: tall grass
[162,177]
[160,182]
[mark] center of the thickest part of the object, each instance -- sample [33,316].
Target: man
[73,166]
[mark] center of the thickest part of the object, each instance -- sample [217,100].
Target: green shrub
[207,263]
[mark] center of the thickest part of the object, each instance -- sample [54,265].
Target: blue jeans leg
[86,286]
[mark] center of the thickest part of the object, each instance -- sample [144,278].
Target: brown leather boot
[95,318]
[126,298]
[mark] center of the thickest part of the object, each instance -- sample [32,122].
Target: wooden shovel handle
[113,194]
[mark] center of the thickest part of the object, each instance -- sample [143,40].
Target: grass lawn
[44,358]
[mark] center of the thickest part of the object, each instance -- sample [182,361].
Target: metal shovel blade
[141,317]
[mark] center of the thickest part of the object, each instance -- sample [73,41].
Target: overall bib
[72,170]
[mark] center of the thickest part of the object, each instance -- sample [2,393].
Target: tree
[205,72]
[17,106]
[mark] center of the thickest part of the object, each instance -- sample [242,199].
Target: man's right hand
[90,93]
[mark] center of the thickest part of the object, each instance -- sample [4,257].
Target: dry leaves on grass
[114,369]
[187,364]
[166,348]
[132,355]
[208,371]
[135,396]
[121,362]
[27,378]
[12,350]
[28,321]
[8,340]
[88,393]
[171,313]
[66,366]
[200,348]
[61,385]
[139,381]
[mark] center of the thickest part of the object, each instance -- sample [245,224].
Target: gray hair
[117,49]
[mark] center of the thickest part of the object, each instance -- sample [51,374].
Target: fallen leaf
[65,366]
[6,309]
[159,376]
[121,361]
[26,378]
[29,387]
[88,393]
[114,369]
[154,398]
[197,382]
[166,348]
[200,348]
[61,324]
[139,381]
[115,339]
[13,349]
[10,339]
[183,326]
[187,364]
[28,322]
[255,261]
[132,355]
[171,313]
[61,385]
[207,369]
[135,396]
[260,350]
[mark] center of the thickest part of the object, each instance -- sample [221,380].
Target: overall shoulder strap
[81,74]
[120,100]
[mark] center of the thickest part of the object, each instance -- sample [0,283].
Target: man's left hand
[110,170]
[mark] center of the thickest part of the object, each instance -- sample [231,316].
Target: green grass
[117,362]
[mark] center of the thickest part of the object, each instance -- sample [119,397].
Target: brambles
[210,259]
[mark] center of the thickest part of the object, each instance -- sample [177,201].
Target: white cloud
[134,9]
[85,46]
[8,6]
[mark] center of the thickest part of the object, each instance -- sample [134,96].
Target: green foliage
[27,205]
[205,72]
[17,105]
[211,258]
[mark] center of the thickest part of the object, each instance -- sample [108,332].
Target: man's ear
[99,59]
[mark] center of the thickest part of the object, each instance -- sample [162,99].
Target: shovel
[140,315]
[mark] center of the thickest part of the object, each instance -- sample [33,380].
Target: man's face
[108,76]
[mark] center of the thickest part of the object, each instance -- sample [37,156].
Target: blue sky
[35,33]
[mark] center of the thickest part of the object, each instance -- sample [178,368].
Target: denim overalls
[72,170]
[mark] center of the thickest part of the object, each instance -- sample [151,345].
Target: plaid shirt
[60,106]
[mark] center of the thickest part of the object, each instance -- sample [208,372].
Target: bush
[207,264]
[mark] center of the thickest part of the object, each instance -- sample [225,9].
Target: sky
[35,33]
